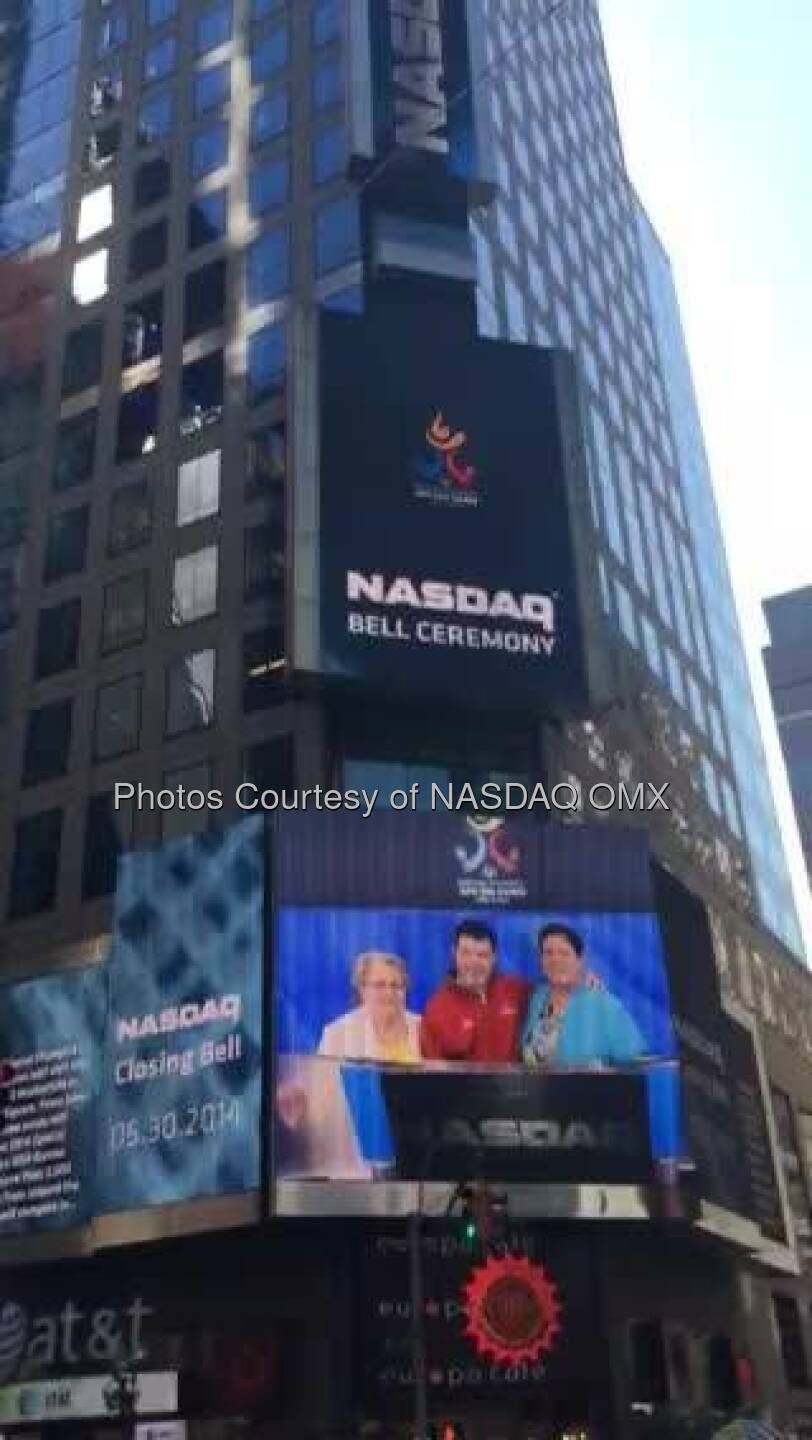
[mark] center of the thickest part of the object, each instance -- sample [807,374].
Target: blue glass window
[266,363]
[159,11]
[112,33]
[214,27]
[269,186]
[155,118]
[329,154]
[160,59]
[209,149]
[328,83]
[349,300]
[326,21]
[212,88]
[269,117]
[269,54]
[337,235]
[267,267]
[207,219]
[261,9]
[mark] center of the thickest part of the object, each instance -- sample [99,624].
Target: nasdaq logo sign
[418,76]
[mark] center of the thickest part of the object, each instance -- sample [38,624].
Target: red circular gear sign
[513,1311]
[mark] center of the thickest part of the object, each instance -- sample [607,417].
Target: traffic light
[482,1215]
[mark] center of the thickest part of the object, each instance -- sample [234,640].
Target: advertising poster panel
[459,997]
[184,1042]
[447,560]
[725,1123]
[51,1046]
[495,1332]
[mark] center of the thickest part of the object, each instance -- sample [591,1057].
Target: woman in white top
[380,1027]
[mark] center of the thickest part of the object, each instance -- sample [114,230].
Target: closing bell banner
[447,562]
[458,998]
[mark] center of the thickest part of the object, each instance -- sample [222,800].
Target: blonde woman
[379,1027]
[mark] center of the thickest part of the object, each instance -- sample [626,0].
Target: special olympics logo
[441,472]
[13,1335]
[513,1311]
[490,853]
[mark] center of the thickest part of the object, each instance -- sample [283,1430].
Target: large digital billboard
[724,1105]
[459,997]
[184,1041]
[51,1044]
[446,500]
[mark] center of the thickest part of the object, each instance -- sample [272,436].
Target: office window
[336,234]
[269,54]
[142,334]
[204,299]
[328,83]
[57,638]
[137,432]
[89,278]
[130,523]
[791,1341]
[152,182]
[269,118]
[194,585]
[101,149]
[75,451]
[267,267]
[83,356]
[117,727]
[190,692]
[47,742]
[106,91]
[66,543]
[201,394]
[266,461]
[199,488]
[95,213]
[329,154]
[269,765]
[212,88]
[213,27]
[262,9]
[208,149]
[263,654]
[112,32]
[35,867]
[269,186]
[196,816]
[155,118]
[148,249]
[20,405]
[159,12]
[124,617]
[107,834]
[265,363]
[326,21]
[265,561]
[160,59]
[10,591]
[207,219]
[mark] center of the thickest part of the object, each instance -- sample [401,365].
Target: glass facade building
[566,256]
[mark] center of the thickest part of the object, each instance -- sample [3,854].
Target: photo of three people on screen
[483,1015]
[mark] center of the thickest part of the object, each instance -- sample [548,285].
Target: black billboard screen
[447,562]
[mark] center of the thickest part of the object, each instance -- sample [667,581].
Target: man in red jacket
[476,1014]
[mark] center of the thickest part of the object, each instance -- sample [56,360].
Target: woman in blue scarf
[571,1019]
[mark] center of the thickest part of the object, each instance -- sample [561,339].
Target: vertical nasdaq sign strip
[421,112]
[421,84]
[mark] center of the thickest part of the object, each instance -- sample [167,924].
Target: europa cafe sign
[513,1311]
[420,103]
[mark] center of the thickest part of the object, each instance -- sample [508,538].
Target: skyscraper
[233,172]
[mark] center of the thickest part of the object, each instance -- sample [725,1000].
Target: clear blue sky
[715,105]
